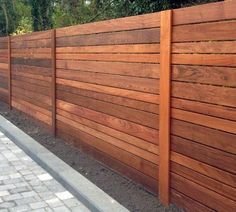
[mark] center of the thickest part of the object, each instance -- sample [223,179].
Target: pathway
[25,186]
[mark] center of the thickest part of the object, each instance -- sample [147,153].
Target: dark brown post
[165,96]
[53,83]
[9,73]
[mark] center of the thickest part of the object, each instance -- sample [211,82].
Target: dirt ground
[128,193]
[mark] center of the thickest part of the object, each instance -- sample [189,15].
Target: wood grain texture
[165,93]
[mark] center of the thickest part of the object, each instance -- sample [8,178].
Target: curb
[85,191]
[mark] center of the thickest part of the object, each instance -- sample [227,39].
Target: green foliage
[22,16]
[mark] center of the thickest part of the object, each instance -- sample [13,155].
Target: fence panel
[4,69]
[108,91]
[31,74]
[98,86]
[203,129]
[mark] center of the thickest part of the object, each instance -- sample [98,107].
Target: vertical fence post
[9,74]
[165,96]
[53,82]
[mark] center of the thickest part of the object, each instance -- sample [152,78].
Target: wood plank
[30,105]
[224,10]
[129,114]
[32,36]
[202,168]
[187,203]
[32,62]
[228,60]
[205,32]
[125,157]
[39,97]
[32,51]
[208,121]
[226,47]
[42,43]
[31,87]
[205,93]
[9,74]
[122,125]
[128,23]
[53,81]
[148,182]
[111,140]
[119,68]
[201,194]
[223,76]
[37,82]
[131,103]
[132,48]
[4,66]
[207,136]
[204,181]
[32,76]
[31,56]
[165,93]
[34,113]
[219,111]
[205,154]
[130,83]
[135,58]
[32,70]
[144,36]
[30,98]
[146,97]
[112,132]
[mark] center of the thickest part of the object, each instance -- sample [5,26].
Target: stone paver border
[89,194]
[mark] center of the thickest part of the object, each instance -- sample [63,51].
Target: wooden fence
[152,96]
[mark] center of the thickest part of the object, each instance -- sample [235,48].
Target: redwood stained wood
[124,37]
[165,93]
[110,139]
[204,75]
[201,194]
[9,74]
[138,58]
[125,82]
[146,97]
[110,131]
[208,121]
[131,48]
[139,105]
[32,62]
[128,23]
[205,154]
[224,30]
[129,114]
[228,60]
[143,179]
[228,113]
[187,203]
[205,93]
[130,128]
[217,47]
[204,135]
[205,169]
[138,163]
[53,81]
[204,181]
[118,68]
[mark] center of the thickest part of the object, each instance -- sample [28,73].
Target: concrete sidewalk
[33,178]
[25,186]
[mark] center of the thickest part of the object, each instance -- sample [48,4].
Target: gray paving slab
[53,177]
[16,192]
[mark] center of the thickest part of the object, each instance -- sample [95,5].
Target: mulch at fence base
[125,191]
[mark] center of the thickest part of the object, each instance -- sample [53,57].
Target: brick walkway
[25,186]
